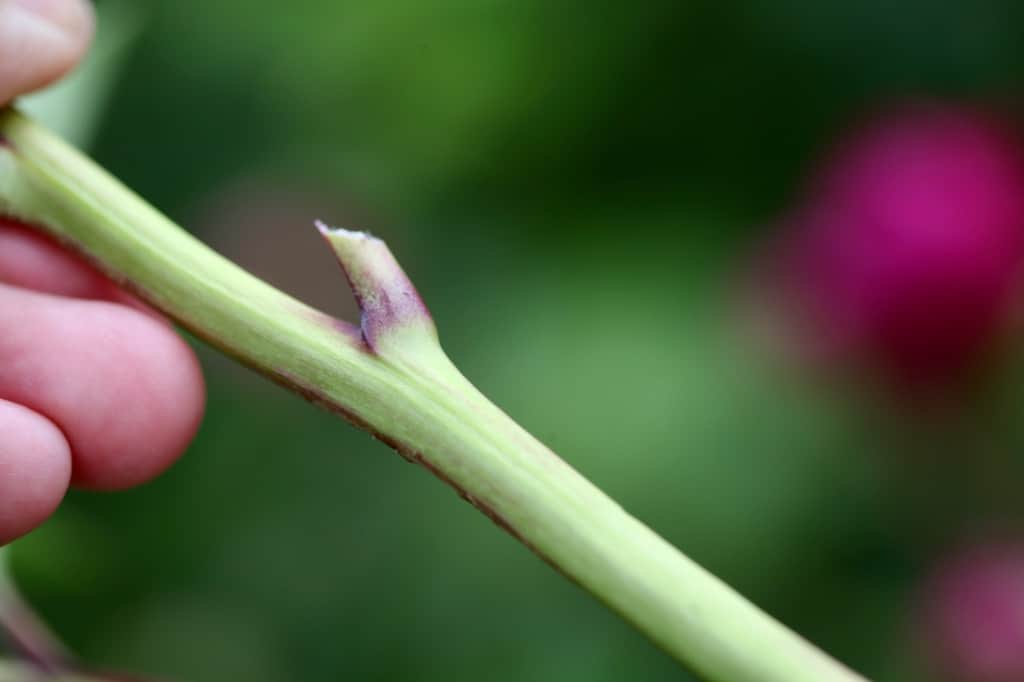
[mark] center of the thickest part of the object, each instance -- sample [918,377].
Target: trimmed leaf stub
[392,309]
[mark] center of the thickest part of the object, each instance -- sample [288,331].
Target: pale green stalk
[393,379]
[17,671]
[23,629]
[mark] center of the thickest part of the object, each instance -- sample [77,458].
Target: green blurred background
[576,188]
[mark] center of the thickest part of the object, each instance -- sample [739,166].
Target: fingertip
[159,398]
[123,386]
[75,17]
[41,40]
[35,468]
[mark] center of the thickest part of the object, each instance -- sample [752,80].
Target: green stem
[23,629]
[17,671]
[391,377]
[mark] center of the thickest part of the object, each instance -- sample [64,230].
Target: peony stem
[25,631]
[19,671]
[390,377]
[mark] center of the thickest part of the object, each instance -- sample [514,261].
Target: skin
[96,390]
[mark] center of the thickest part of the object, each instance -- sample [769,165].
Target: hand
[96,390]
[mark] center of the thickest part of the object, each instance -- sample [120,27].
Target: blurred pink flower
[908,248]
[973,615]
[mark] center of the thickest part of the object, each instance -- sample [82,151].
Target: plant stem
[391,377]
[19,671]
[26,631]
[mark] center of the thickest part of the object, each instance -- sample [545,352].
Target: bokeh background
[581,191]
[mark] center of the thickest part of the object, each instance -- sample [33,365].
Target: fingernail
[74,17]
[40,40]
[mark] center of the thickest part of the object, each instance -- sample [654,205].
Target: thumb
[40,40]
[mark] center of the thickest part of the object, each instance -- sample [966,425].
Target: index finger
[40,40]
